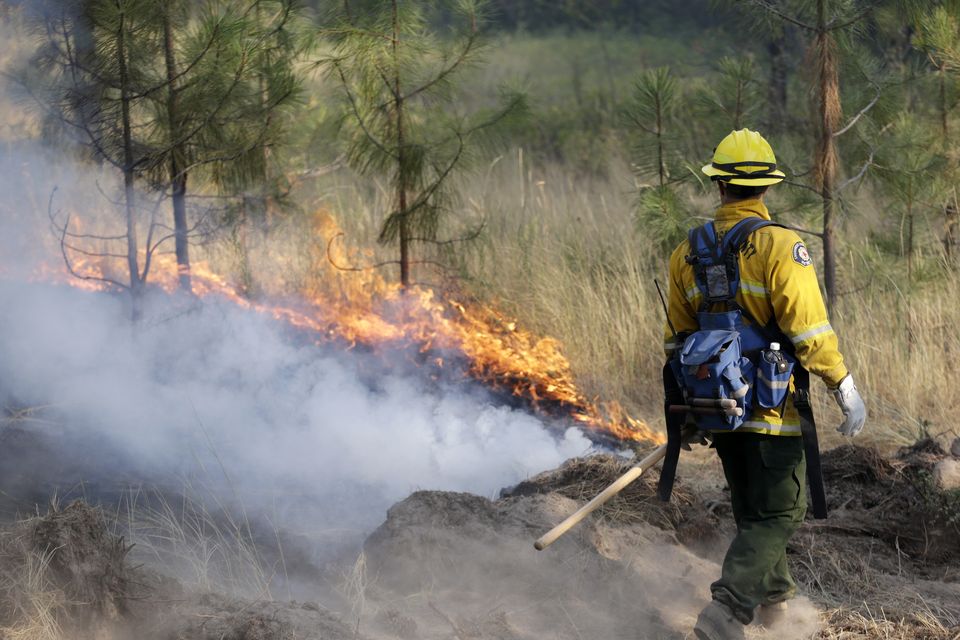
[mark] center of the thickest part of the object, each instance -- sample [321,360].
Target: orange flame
[361,308]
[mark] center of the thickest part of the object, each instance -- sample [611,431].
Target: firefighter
[764,459]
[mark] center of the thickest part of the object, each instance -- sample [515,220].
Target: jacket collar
[736,211]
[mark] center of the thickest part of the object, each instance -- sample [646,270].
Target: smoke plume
[208,391]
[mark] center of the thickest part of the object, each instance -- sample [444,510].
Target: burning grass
[359,308]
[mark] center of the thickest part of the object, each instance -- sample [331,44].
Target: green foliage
[653,114]
[399,79]
[662,215]
[734,100]
[907,167]
[76,74]
[254,88]
[938,34]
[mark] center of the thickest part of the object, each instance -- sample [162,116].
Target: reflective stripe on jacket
[777,280]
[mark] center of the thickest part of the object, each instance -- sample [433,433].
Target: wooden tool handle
[619,485]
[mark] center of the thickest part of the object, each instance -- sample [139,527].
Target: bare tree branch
[856,118]
[767,6]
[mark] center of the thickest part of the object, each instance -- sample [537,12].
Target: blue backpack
[727,367]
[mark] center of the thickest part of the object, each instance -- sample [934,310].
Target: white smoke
[227,397]
[220,386]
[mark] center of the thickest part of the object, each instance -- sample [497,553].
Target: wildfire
[361,308]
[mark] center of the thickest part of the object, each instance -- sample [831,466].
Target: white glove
[851,404]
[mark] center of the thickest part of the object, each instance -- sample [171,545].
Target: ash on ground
[458,566]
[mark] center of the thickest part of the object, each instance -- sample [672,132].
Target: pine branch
[856,118]
[767,6]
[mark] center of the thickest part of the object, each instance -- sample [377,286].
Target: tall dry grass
[563,254]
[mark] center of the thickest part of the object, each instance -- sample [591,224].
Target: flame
[362,308]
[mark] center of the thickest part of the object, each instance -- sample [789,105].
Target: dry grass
[570,262]
[846,624]
[34,606]
[207,548]
[563,254]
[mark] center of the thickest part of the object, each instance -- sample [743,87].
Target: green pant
[766,476]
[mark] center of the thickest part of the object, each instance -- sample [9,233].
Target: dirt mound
[454,565]
[66,576]
[896,502]
[216,618]
[884,565]
[64,571]
[464,564]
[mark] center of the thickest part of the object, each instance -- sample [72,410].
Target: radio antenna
[665,311]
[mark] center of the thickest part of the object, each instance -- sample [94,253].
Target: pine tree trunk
[944,111]
[910,241]
[136,283]
[661,166]
[265,187]
[738,110]
[403,230]
[178,174]
[828,115]
[777,89]
[829,240]
[950,227]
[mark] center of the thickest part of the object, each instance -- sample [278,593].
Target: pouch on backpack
[713,368]
[773,378]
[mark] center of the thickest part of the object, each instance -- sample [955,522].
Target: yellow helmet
[744,157]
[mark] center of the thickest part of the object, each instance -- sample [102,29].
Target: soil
[443,565]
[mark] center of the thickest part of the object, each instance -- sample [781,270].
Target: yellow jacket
[777,280]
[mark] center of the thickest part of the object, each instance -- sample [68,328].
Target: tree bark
[828,107]
[136,283]
[777,89]
[178,175]
[402,169]
[910,241]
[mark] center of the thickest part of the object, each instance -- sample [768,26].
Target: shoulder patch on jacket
[801,256]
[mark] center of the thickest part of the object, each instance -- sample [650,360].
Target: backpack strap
[734,239]
[811,444]
[715,259]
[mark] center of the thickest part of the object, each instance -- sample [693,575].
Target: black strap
[734,239]
[738,169]
[672,394]
[705,241]
[811,445]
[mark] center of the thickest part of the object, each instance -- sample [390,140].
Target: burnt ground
[457,566]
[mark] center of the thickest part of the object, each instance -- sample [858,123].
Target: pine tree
[398,79]
[228,79]
[826,24]
[939,38]
[97,57]
[906,169]
[652,117]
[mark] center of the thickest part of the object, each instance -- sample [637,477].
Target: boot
[770,615]
[716,622]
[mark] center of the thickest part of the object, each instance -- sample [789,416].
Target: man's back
[777,282]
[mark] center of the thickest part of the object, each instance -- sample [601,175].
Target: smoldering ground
[220,397]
